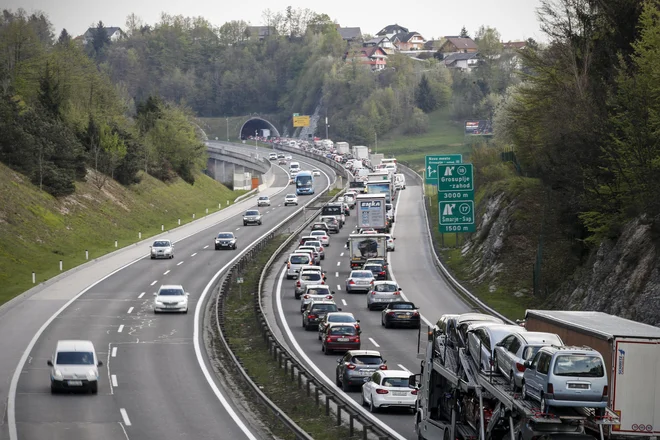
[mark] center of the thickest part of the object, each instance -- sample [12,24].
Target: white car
[388,388]
[390,243]
[316,172]
[290,199]
[272,156]
[288,157]
[322,236]
[171,298]
[74,366]
[162,249]
[263,201]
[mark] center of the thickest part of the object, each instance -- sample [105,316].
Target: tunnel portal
[256,126]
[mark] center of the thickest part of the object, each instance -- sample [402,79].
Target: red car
[340,337]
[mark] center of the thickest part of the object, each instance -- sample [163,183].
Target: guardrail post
[327,405]
[299,379]
[316,394]
[307,386]
[351,427]
[339,415]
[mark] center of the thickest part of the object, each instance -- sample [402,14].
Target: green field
[38,230]
[444,137]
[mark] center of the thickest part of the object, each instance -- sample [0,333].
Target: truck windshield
[304,181]
[579,366]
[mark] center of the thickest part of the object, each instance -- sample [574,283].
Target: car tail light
[396,293]
[351,282]
[311,316]
[605,390]
[391,313]
[350,366]
[381,273]
[520,367]
[373,292]
[381,391]
[383,367]
[321,249]
[305,296]
[355,339]
[416,314]
[328,296]
[551,389]
[414,392]
[323,282]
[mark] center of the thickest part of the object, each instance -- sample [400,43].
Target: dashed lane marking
[166,272]
[124,415]
[374,342]
[179,263]
[192,255]
[154,282]
[120,329]
[114,380]
[130,310]
[141,295]
[114,352]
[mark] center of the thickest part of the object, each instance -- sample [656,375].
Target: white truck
[360,152]
[632,357]
[361,247]
[456,399]
[342,148]
[399,181]
[371,211]
[375,159]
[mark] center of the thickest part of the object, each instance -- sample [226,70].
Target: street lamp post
[326,127]
[227,118]
[256,132]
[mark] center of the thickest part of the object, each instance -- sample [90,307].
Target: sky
[514,19]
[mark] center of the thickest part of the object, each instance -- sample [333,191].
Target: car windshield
[75,358]
[161,244]
[324,308]
[263,198]
[310,277]
[367,360]
[299,259]
[530,352]
[579,366]
[395,382]
[343,330]
[226,235]
[385,288]
[361,275]
[402,306]
[290,196]
[252,213]
[170,292]
[341,318]
[318,291]
[319,233]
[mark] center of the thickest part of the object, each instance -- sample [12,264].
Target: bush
[417,124]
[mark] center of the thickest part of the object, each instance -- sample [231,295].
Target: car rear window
[402,306]
[361,275]
[577,365]
[324,308]
[367,360]
[347,330]
[385,288]
[341,318]
[310,277]
[314,243]
[299,259]
[75,358]
[318,291]
[395,382]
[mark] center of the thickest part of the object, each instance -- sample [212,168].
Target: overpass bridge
[237,165]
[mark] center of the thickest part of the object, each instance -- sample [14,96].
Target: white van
[294,166]
[399,181]
[74,366]
[295,262]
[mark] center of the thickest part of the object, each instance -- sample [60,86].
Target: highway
[154,383]
[410,265]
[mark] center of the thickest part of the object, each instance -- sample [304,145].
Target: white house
[114,33]
[461,61]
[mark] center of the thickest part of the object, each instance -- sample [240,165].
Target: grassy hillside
[38,230]
[444,137]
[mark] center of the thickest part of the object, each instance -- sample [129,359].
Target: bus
[304,183]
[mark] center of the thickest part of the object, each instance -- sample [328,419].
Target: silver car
[162,249]
[359,280]
[263,201]
[316,244]
[356,366]
[290,199]
[383,293]
[482,338]
[252,217]
[511,353]
[567,377]
[307,278]
[315,292]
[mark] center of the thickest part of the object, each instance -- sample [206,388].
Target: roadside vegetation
[243,332]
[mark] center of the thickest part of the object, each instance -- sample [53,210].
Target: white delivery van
[399,181]
[294,166]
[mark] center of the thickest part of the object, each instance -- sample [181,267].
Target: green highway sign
[457,216]
[431,165]
[457,177]
[455,195]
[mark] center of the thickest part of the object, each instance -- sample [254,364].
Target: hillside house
[405,41]
[350,34]
[461,61]
[457,45]
[114,33]
[391,30]
[374,57]
[383,42]
[261,32]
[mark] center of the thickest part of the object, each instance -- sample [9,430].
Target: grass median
[242,331]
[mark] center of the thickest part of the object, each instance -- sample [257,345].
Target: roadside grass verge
[243,334]
[38,230]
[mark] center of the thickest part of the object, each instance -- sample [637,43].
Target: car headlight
[217,241]
[159,302]
[58,374]
[91,375]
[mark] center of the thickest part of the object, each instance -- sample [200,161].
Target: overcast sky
[514,19]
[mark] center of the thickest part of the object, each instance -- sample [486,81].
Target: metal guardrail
[462,291]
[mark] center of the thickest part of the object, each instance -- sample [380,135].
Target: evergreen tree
[50,92]
[100,38]
[464,33]
[424,96]
[64,38]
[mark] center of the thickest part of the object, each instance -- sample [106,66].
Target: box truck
[361,247]
[632,356]
[342,147]
[360,152]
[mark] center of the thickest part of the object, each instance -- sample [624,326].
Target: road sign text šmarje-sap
[431,166]
[456,216]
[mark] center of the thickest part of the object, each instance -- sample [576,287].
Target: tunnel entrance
[256,126]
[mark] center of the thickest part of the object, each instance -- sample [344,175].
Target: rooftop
[602,324]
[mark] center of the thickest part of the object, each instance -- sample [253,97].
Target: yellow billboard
[301,121]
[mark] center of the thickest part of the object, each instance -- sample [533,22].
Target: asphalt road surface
[151,384]
[411,266]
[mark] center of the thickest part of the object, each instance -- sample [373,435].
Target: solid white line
[403,368]
[141,295]
[124,415]
[341,255]
[114,380]
[179,263]
[130,310]
[320,374]
[374,342]
[338,263]
[120,329]
[114,352]
[206,246]
[343,301]
[155,281]
[166,272]
[193,254]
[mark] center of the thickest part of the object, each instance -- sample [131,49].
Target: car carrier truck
[632,358]
[457,400]
[361,247]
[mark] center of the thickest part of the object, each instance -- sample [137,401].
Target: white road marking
[206,246]
[238,229]
[338,263]
[130,310]
[374,342]
[166,272]
[114,380]
[114,352]
[341,255]
[179,263]
[124,415]
[141,295]
[403,368]
[192,255]
[120,329]
[343,301]
[338,286]
[154,282]
[336,274]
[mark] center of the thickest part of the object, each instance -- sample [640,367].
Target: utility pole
[376,136]
[227,118]
[326,127]
[256,132]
